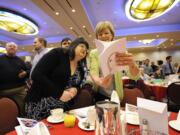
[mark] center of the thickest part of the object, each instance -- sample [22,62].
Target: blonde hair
[104,25]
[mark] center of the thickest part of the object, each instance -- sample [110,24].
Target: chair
[148,94]
[130,96]
[8,115]
[130,84]
[173,97]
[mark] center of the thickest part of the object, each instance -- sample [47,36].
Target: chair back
[8,115]
[130,95]
[173,93]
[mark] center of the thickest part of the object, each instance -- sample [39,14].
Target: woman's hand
[103,81]
[68,94]
[126,59]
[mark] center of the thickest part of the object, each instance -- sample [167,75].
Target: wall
[158,55]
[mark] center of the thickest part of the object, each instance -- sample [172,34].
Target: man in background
[167,68]
[40,45]
[65,42]
[13,74]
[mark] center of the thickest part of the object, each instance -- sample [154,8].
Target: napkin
[115,97]
[39,129]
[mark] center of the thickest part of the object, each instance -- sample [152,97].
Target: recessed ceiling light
[157,35]
[57,13]
[70,28]
[24,9]
[73,10]
[84,26]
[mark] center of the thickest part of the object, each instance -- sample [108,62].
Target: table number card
[155,113]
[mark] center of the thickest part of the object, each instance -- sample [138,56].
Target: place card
[154,113]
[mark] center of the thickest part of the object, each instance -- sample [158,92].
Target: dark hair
[168,57]
[160,62]
[73,46]
[65,39]
[43,41]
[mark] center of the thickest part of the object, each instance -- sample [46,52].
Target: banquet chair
[8,115]
[173,97]
[131,84]
[130,96]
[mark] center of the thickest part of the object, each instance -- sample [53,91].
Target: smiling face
[11,49]
[80,51]
[105,35]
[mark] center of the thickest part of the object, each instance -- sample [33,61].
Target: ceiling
[52,26]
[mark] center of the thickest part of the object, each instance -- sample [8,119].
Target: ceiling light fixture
[146,41]
[2,50]
[73,10]
[144,10]
[14,22]
[69,4]
[57,13]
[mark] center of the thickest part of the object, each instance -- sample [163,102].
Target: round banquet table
[59,129]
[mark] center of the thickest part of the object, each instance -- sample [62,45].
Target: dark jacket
[10,67]
[50,76]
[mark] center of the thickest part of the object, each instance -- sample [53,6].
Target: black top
[10,67]
[51,76]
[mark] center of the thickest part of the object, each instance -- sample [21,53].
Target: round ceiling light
[16,23]
[144,10]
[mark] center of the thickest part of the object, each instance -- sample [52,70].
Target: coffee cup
[57,113]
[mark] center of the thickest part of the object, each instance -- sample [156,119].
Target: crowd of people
[159,70]
[62,77]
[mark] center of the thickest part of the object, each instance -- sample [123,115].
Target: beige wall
[158,55]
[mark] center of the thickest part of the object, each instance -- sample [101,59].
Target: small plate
[132,119]
[175,124]
[81,126]
[50,119]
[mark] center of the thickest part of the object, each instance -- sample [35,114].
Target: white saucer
[132,119]
[81,126]
[50,119]
[175,124]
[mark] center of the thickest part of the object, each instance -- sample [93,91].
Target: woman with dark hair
[58,81]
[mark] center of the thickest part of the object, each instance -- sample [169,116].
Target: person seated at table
[143,75]
[158,74]
[58,81]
